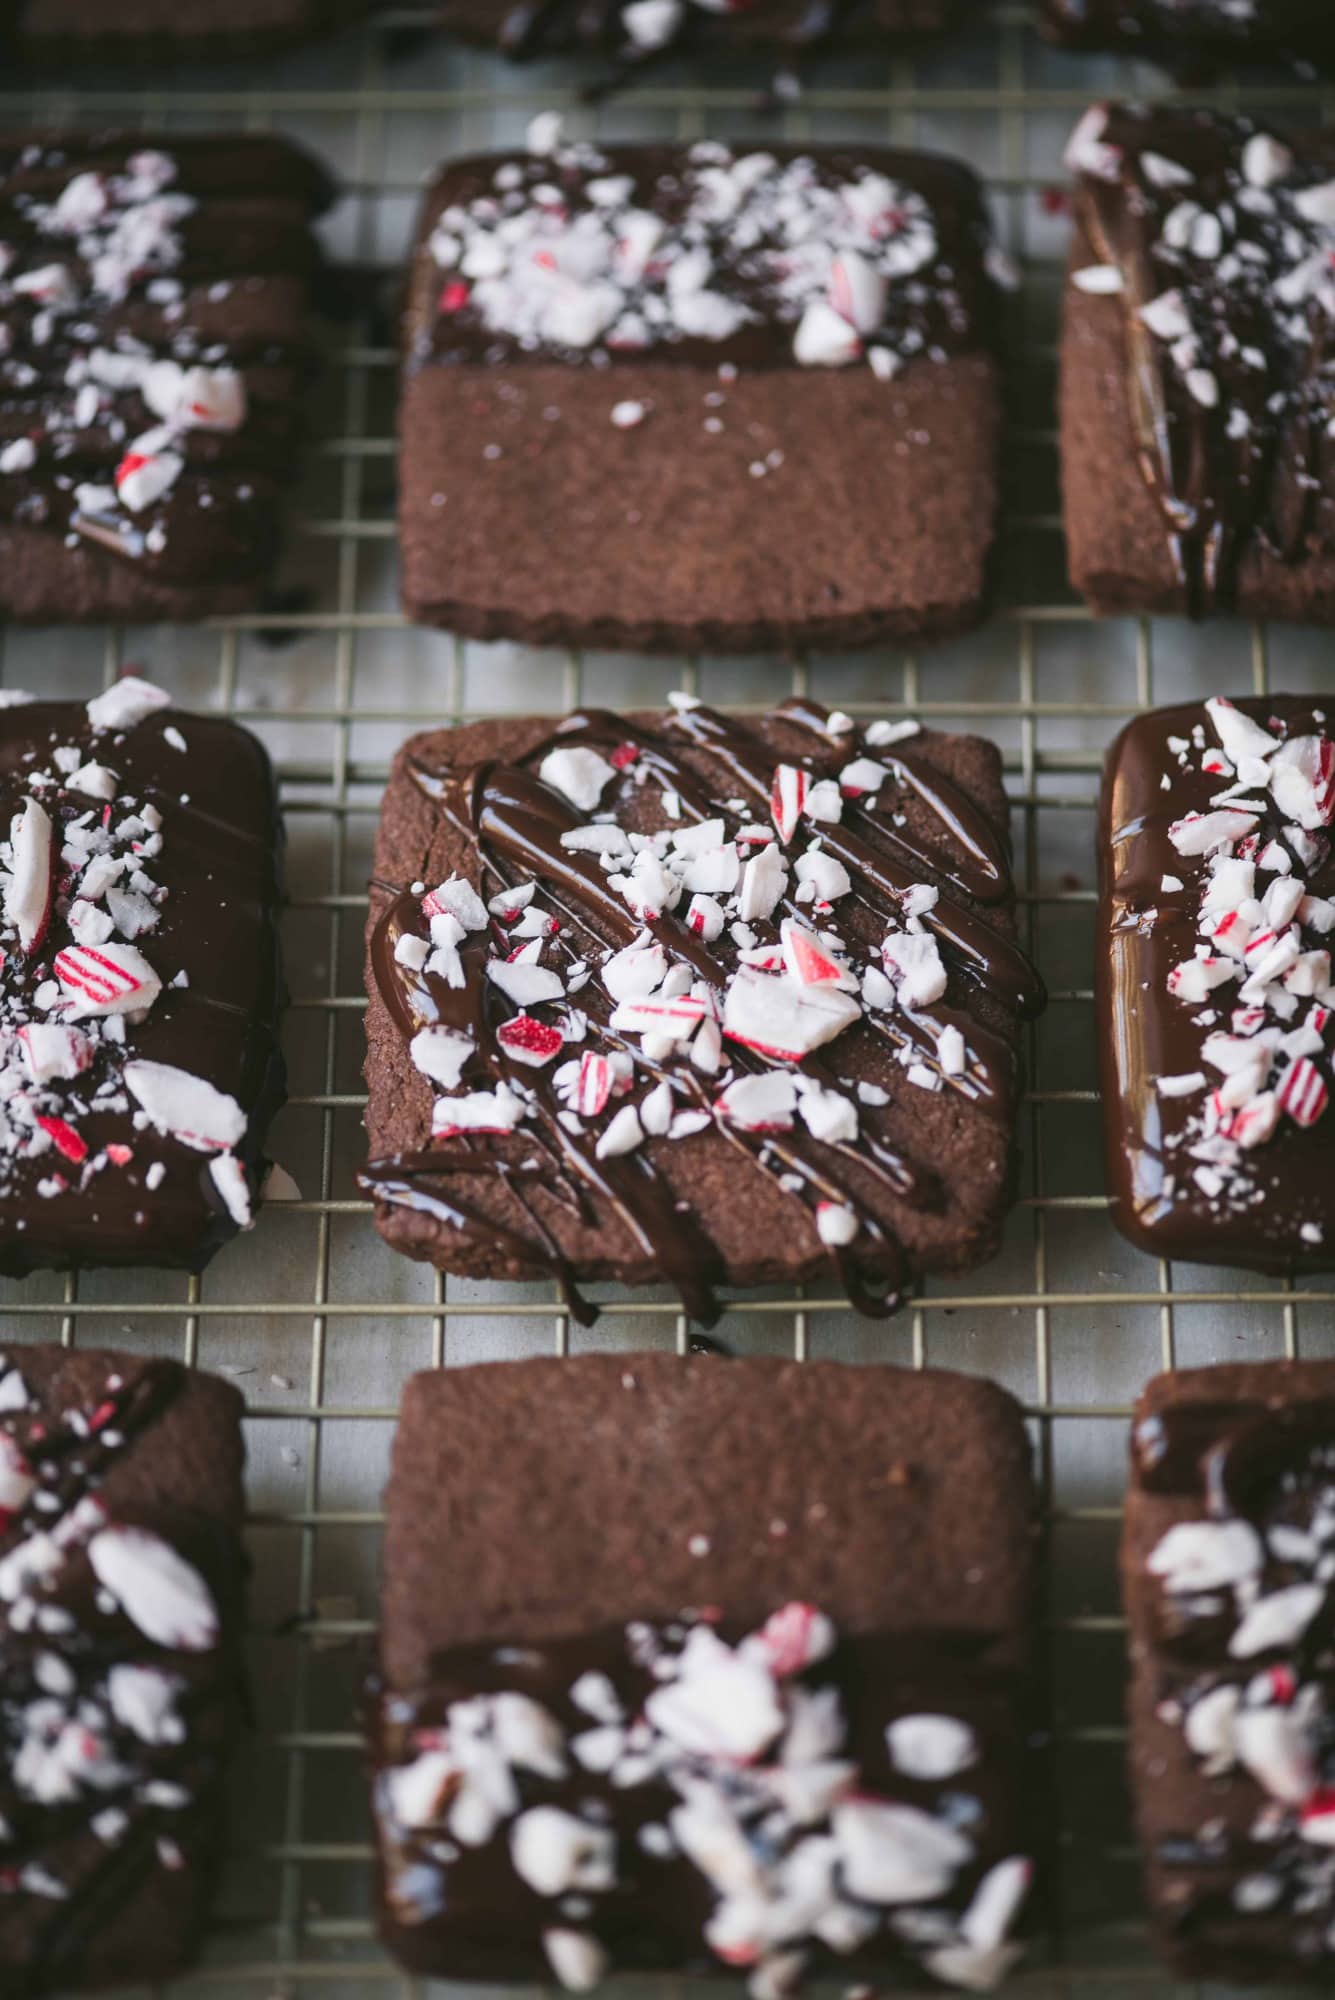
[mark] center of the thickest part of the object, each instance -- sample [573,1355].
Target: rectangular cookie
[161,31]
[1226,1572]
[630,33]
[1197,464]
[1190,34]
[154,337]
[140,981]
[681,1696]
[674,398]
[1214,982]
[121,1601]
[687,999]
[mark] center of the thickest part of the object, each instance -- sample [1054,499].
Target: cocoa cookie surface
[154,337]
[140,988]
[542,1809]
[671,398]
[120,1633]
[1214,983]
[1196,395]
[1225,1572]
[680,998]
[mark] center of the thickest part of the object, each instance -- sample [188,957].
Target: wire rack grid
[319,1323]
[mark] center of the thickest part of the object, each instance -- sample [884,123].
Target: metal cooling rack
[315,1318]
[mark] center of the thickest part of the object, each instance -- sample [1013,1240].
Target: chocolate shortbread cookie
[1227,1560]
[1197,386]
[48,32]
[1189,34]
[140,985]
[121,1583]
[684,1696]
[689,999]
[153,339]
[632,33]
[670,398]
[1214,982]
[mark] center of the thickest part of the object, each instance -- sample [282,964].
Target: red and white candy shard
[496,1111]
[229,1178]
[110,978]
[186,1107]
[578,774]
[211,399]
[530,1041]
[460,900]
[148,470]
[17,1480]
[778,1017]
[30,883]
[765,1103]
[810,962]
[126,703]
[440,1054]
[788,795]
[161,1594]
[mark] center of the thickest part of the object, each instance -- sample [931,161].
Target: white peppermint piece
[458,899]
[576,1957]
[578,774]
[836,1224]
[914,962]
[184,1106]
[499,1110]
[1207,833]
[440,1054]
[764,880]
[527,984]
[1278,1619]
[1099,280]
[780,1018]
[931,1747]
[161,1594]
[637,970]
[723,1703]
[895,1854]
[143,1700]
[105,979]
[1238,733]
[1275,1746]
[623,1134]
[1199,1556]
[824,338]
[126,703]
[764,1103]
[229,1178]
[554,1852]
[212,399]
[417,1792]
[28,886]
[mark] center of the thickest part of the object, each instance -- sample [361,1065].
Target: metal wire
[319,1323]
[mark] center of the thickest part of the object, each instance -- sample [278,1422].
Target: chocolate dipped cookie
[1197,387]
[689,999]
[672,398]
[1188,35]
[154,337]
[1227,1560]
[47,33]
[1214,982]
[121,1585]
[681,1696]
[140,983]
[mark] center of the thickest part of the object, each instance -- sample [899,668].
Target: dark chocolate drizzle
[221,285]
[1224,491]
[516,823]
[48,1938]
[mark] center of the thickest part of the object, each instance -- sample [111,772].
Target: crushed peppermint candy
[83,970]
[583,254]
[665,940]
[729,1762]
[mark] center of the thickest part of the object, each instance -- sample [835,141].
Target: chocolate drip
[517,824]
[1234,447]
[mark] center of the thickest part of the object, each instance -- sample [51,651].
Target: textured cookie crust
[162,1455]
[1196,1827]
[759,1233]
[792,506]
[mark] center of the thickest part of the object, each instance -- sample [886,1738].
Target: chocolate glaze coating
[220,865]
[1227,1445]
[655,1483]
[1219,410]
[725,519]
[1184,33]
[1146,1034]
[930,1175]
[108,1880]
[212,273]
[47,33]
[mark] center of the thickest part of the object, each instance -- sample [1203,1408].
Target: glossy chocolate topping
[685,1796]
[153,338]
[140,986]
[683,957]
[1245,1637]
[1213,978]
[118,1677]
[1181,32]
[1216,235]
[704,255]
